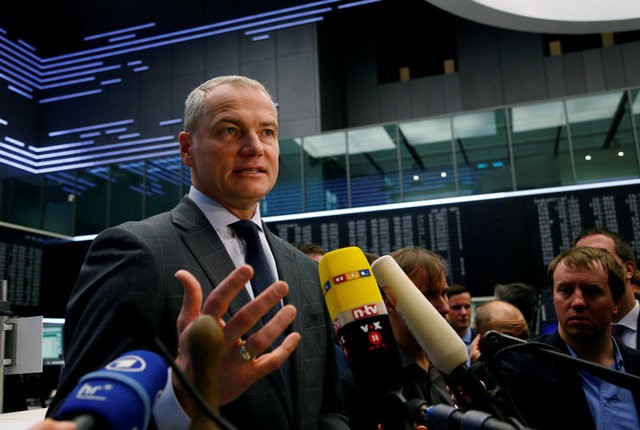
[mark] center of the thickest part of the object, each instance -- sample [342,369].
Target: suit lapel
[201,239]
[203,242]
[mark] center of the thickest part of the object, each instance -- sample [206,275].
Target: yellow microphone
[360,319]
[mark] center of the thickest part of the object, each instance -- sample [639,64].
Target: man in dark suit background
[549,393]
[628,318]
[132,273]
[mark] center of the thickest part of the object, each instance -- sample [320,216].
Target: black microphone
[445,348]
[119,396]
[362,326]
[445,417]
[495,345]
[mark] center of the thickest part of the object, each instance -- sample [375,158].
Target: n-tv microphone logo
[369,310]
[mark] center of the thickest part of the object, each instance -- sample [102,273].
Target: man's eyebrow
[231,119]
[269,124]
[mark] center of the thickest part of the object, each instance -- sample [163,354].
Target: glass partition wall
[552,143]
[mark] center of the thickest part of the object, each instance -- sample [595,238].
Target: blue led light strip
[29,85]
[119,38]
[64,161]
[65,83]
[116,130]
[103,148]
[84,72]
[84,165]
[357,3]
[286,25]
[90,127]
[69,96]
[26,45]
[115,49]
[122,30]
[63,146]
[22,93]
[14,141]
[170,122]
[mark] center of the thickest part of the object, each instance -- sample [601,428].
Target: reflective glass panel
[482,152]
[60,190]
[92,196]
[540,145]
[427,160]
[373,165]
[602,138]
[22,200]
[325,172]
[286,195]
[162,184]
[127,192]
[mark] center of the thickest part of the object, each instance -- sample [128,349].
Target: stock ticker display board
[485,240]
[21,266]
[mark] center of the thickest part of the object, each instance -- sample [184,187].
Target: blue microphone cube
[121,395]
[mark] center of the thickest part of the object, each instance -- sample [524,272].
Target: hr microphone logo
[91,392]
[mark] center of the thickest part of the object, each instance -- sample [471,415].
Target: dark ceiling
[58,26]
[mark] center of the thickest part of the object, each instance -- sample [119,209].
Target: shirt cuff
[167,412]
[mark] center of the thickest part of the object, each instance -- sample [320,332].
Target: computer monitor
[52,341]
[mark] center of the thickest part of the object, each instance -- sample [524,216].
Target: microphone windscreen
[438,339]
[122,394]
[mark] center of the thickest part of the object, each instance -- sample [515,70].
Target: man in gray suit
[132,273]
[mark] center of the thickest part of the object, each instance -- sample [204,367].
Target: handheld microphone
[360,320]
[120,396]
[443,346]
[445,417]
[205,361]
[204,342]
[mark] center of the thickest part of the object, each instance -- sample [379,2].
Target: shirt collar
[217,215]
[630,320]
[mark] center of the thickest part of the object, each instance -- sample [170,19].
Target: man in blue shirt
[550,393]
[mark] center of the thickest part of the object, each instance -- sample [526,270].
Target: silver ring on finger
[246,355]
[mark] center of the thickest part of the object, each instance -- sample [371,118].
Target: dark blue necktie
[617,330]
[254,256]
[263,276]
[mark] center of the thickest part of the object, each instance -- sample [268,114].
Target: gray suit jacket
[126,294]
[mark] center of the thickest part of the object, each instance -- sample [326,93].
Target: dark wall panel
[555,77]
[593,63]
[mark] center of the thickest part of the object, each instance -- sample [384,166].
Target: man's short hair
[584,257]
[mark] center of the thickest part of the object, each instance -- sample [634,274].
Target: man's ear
[629,269]
[186,145]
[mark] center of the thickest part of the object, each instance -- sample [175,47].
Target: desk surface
[22,420]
